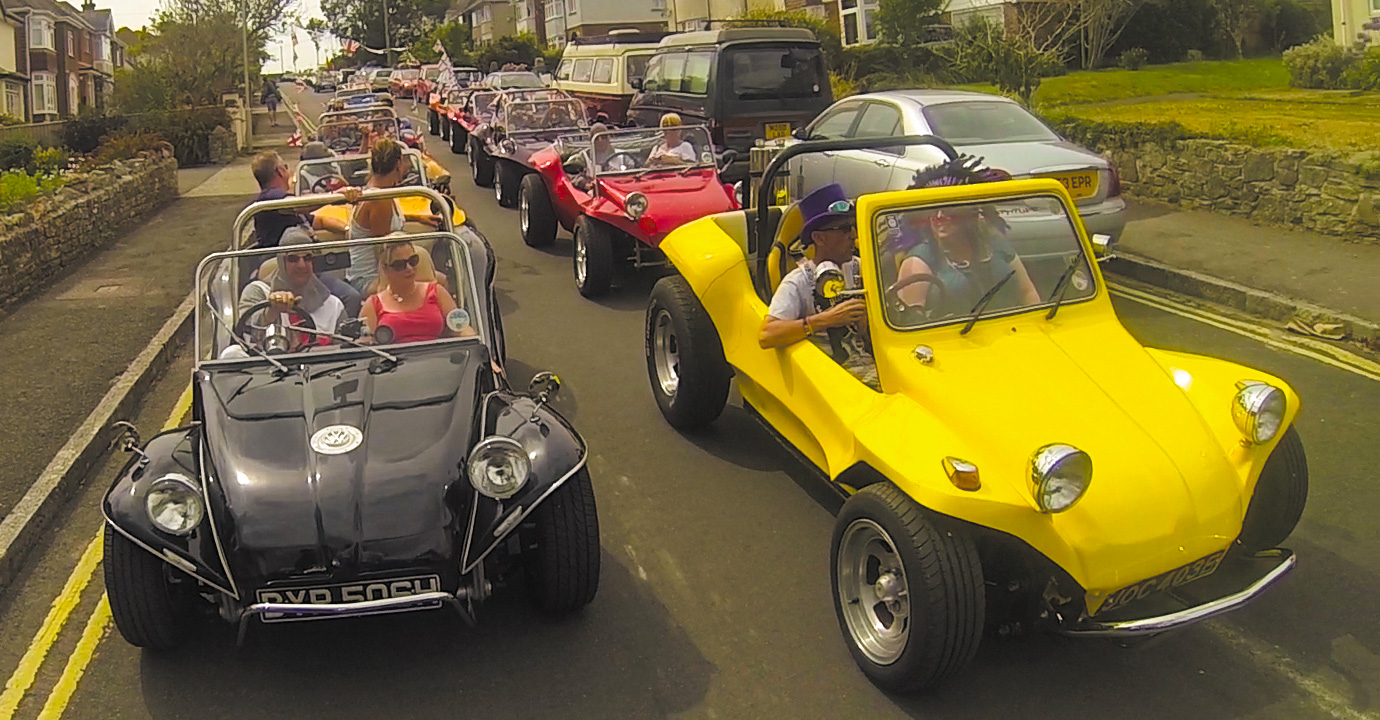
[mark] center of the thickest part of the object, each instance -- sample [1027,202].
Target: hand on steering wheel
[625,161]
[893,296]
[328,184]
[246,323]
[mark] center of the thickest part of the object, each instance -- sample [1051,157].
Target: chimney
[89,6]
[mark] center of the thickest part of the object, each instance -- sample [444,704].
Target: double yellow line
[59,613]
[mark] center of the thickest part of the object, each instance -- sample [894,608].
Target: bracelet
[805,321]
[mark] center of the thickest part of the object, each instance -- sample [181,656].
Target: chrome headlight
[498,467]
[174,504]
[1258,410]
[636,205]
[1059,477]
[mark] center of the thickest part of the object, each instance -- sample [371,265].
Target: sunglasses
[401,265]
[295,257]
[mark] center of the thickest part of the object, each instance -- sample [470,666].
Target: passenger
[793,316]
[413,310]
[674,148]
[378,218]
[964,248]
[294,284]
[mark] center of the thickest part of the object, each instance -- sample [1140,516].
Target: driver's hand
[845,313]
[282,300]
[352,194]
[431,219]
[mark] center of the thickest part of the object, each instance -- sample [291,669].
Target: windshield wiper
[348,340]
[1061,288]
[981,305]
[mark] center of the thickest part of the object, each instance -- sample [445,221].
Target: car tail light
[1114,185]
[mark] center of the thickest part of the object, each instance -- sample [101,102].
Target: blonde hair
[382,252]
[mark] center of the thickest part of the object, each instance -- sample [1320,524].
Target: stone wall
[52,234]
[1284,187]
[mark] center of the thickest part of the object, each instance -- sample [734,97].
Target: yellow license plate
[1195,570]
[1079,184]
[776,131]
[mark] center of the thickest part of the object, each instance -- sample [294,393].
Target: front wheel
[685,358]
[593,257]
[433,122]
[445,128]
[1280,495]
[149,609]
[908,590]
[536,217]
[481,165]
[564,565]
[459,139]
[507,180]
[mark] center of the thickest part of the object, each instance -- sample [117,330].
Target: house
[1349,20]
[14,66]
[693,14]
[489,20]
[61,60]
[530,19]
[100,47]
[565,18]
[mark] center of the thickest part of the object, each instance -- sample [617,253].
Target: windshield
[543,115]
[432,73]
[325,175]
[938,263]
[983,121]
[637,151]
[482,103]
[347,92]
[504,81]
[406,74]
[761,73]
[356,131]
[239,305]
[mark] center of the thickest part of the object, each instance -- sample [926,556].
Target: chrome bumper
[1187,616]
[420,601]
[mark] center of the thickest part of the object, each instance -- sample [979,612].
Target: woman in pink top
[413,310]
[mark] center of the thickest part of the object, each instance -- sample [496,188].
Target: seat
[785,246]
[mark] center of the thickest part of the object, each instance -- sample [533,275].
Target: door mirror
[544,386]
[636,83]
[1103,247]
[800,133]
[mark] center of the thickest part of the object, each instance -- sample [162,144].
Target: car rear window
[760,73]
[981,121]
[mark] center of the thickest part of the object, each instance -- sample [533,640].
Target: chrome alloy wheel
[522,213]
[666,354]
[873,591]
[581,259]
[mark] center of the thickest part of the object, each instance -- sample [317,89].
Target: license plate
[346,593]
[776,131]
[1079,184]
[1195,570]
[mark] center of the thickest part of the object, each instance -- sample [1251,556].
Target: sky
[137,13]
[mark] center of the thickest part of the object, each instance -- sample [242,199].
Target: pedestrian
[271,97]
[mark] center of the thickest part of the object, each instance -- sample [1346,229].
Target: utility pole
[248,98]
[387,42]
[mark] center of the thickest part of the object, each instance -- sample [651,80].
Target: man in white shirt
[674,148]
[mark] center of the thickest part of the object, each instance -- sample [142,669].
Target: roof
[620,37]
[933,96]
[100,20]
[745,34]
[61,10]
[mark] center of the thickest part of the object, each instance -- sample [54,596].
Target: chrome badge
[336,439]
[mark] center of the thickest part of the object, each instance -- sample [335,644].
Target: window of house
[856,16]
[603,70]
[850,28]
[41,33]
[14,101]
[1375,6]
[73,94]
[572,7]
[45,93]
[583,69]
[71,45]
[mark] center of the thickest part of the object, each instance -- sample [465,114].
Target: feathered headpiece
[962,170]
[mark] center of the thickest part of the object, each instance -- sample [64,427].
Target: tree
[454,36]
[265,16]
[907,22]
[825,32]
[191,54]
[1233,19]
[1100,24]
[363,21]
[984,52]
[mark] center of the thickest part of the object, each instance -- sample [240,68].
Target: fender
[555,450]
[196,554]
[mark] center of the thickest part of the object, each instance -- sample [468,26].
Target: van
[601,70]
[745,84]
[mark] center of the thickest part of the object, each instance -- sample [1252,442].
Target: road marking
[81,656]
[1303,346]
[1265,656]
[61,610]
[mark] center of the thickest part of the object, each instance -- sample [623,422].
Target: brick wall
[52,235]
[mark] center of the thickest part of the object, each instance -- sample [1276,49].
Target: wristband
[805,321]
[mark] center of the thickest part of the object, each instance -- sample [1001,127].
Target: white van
[599,70]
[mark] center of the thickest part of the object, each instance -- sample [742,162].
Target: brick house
[100,43]
[14,66]
[565,18]
[57,42]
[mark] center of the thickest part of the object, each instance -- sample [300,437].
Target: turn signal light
[963,474]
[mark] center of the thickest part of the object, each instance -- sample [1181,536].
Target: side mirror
[635,83]
[1103,247]
[800,133]
[544,386]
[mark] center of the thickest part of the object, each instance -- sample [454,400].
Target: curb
[1260,303]
[57,483]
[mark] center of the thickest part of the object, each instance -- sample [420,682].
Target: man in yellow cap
[674,148]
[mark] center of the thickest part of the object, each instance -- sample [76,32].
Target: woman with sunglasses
[293,287]
[379,218]
[413,310]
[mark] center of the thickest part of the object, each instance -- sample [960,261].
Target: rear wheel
[481,165]
[564,566]
[507,181]
[458,138]
[908,593]
[1280,496]
[444,122]
[433,122]
[593,257]
[149,609]
[685,358]
[536,217]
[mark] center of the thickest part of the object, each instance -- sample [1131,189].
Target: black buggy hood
[285,510]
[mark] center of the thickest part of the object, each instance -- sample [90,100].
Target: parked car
[501,151]
[603,71]
[325,81]
[379,79]
[988,126]
[322,478]
[617,200]
[1020,462]
[745,84]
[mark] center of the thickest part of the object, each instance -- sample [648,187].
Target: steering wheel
[927,312]
[340,144]
[246,323]
[628,161]
[328,184]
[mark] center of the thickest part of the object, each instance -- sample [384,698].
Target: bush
[17,153]
[841,86]
[126,144]
[17,186]
[1167,30]
[1366,74]
[83,133]
[189,131]
[11,120]
[1321,64]
[49,161]
[1119,135]
[1134,59]
[1195,55]
[1286,23]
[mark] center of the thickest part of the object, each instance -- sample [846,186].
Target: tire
[564,566]
[433,122]
[685,359]
[592,259]
[148,611]
[512,176]
[878,532]
[536,216]
[444,122]
[481,165]
[1280,496]
[459,139]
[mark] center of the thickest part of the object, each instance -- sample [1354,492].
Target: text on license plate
[345,593]
[1195,570]
[1079,184]
[776,131]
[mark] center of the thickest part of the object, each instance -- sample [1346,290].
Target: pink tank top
[424,323]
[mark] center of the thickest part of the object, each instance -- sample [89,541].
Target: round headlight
[1059,477]
[636,205]
[498,467]
[174,504]
[1258,410]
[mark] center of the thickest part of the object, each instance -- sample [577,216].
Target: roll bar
[315,201]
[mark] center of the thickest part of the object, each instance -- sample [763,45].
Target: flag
[349,46]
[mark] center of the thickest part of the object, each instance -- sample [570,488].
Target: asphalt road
[714,599]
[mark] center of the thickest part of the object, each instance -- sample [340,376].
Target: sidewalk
[1270,272]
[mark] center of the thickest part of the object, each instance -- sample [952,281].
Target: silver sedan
[988,126]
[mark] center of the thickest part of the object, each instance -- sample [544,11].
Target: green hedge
[189,131]
[1118,135]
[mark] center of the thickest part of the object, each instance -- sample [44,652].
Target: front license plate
[1195,570]
[776,131]
[346,593]
[1079,184]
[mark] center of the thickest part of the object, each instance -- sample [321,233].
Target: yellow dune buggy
[1019,460]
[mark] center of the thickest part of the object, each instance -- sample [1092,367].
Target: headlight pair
[1258,410]
[498,467]
[174,504]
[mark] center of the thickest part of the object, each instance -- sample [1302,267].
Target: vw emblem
[336,439]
